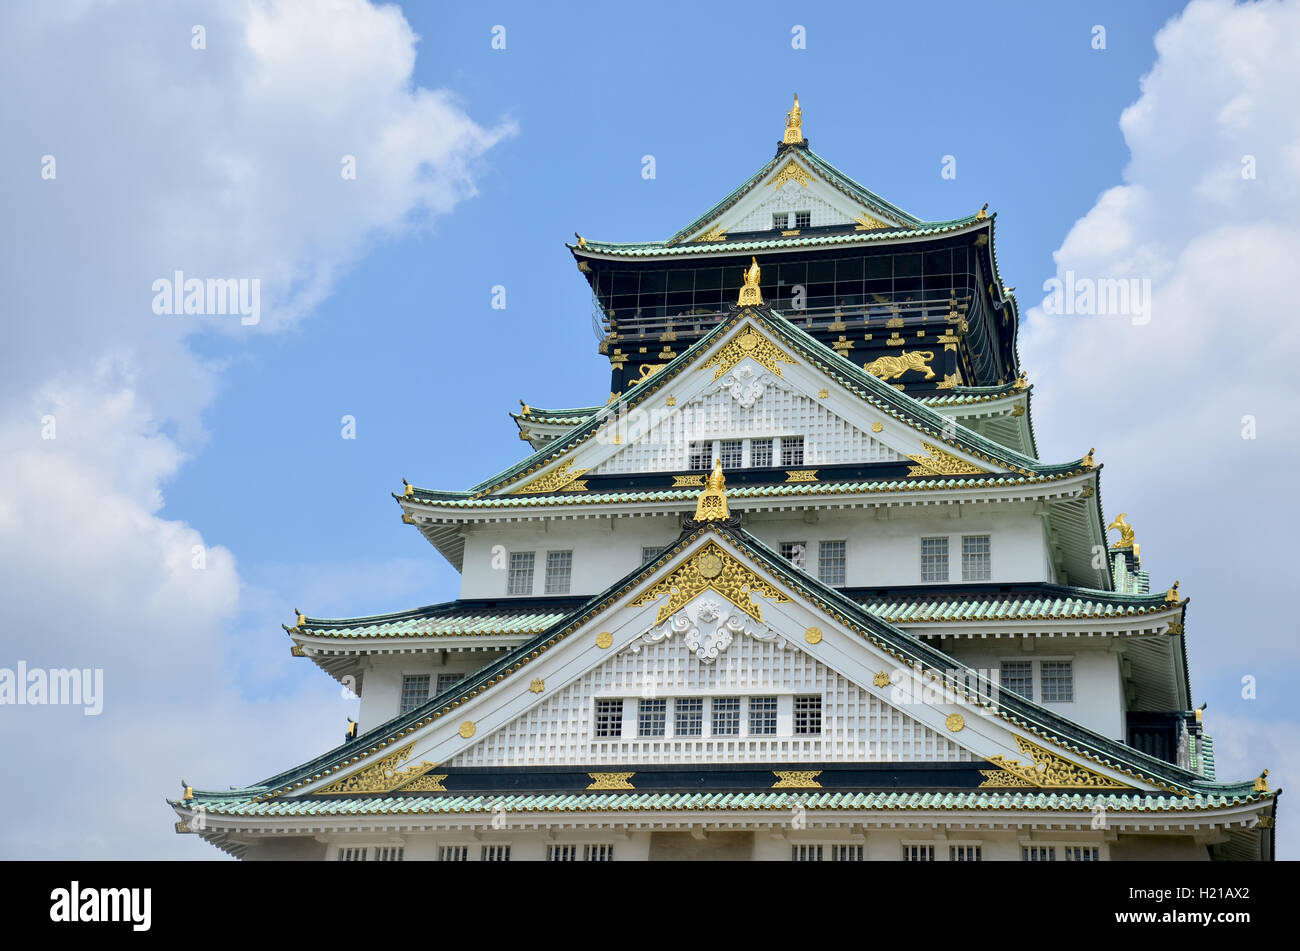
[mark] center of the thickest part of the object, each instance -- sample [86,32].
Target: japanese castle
[799,589]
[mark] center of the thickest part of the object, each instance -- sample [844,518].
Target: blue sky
[476,166]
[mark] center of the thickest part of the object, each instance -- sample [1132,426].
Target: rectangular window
[793,552]
[559,571]
[651,717]
[781,219]
[1017,676]
[701,454]
[389,853]
[965,853]
[609,718]
[650,552]
[934,559]
[976,560]
[445,681]
[690,716]
[600,852]
[415,690]
[731,452]
[830,563]
[802,219]
[807,716]
[496,853]
[520,579]
[726,716]
[805,853]
[1082,853]
[1039,853]
[453,853]
[352,855]
[846,853]
[1057,680]
[918,853]
[791,450]
[760,453]
[762,716]
[561,853]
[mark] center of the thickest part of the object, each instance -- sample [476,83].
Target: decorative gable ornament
[746,384]
[750,294]
[707,628]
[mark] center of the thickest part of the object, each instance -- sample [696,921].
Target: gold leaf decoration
[563,478]
[381,776]
[801,475]
[892,367]
[711,568]
[791,171]
[681,480]
[748,342]
[796,779]
[714,234]
[1049,771]
[940,462]
[611,781]
[868,222]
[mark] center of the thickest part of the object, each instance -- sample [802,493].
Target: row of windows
[976,558]
[380,853]
[597,852]
[415,688]
[1055,679]
[559,572]
[781,219]
[831,559]
[720,716]
[815,852]
[746,453]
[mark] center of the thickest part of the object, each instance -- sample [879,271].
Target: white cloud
[221,162]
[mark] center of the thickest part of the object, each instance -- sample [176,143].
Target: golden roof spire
[793,124]
[712,506]
[750,294]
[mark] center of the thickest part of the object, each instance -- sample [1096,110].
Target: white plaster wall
[381,687]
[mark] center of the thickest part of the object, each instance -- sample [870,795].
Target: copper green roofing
[466,618]
[453,803]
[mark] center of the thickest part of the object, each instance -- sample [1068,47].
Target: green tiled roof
[449,619]
[713,801]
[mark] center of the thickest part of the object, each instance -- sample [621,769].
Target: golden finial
[1125,532]
[712,506]
[189,790]
[302,619]
[525,408]
[582,242]
[793,124]
[1200,711]
[1021,382]
[750,294]
[1088,462]
[1171,596]
[408,490]
[982,213]
[1261,784]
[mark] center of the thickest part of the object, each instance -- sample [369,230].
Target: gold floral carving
[687,480]
[563,478]
[1048,771]
[868,222]
[801,475]
[714,234]
[748,343]
[940,462]
[796,779]
[611,780]
[877,427]
[537,686]
[881,679]
[791,171]
[467,729]
[604,640]
[429,782]
[382,776]
[955,722]
[949,381]
[711,568]
[813,635]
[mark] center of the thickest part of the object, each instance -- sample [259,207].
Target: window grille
[1039,853]
[415,690]
[793,552]
[965,853]
[598,853]
[762,716]
[609,718]
[846,853]
[760,453]
[496,853]
[352,855]
[831,563]
[520,580]
[453,853]
[445,681]
[701,453]
[731,452]
[1082,853]
[805,853]
[1017,676]
[781,219]
[918,853]
[559,571]
[561,853]
[807,716]
[389,853]
[934,559]
[689,716]
[726,716]
[976,558]
[651,717]
[802,219]
[1057,678]
[791,450]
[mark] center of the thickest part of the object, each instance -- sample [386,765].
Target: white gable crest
[707,628]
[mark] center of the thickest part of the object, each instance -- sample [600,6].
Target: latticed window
[760,453]
[559,571]
[690,716]
[807,716]
[599,852]
[802,219]
[1017,676]
[650,552]
[1082,853]
[965,853]
[830,563]
[934,559]
[445,681]
[762,716]
[520,580]
[561,853]
[609,718]
[918,853]
[701,454]
[793,552]
[781,219]
[651,717]
[791,450]
[393,853]
[732,453]
[453,853]
[805,853]
[1057,678]
[846,853]
[1039,853]
[415,690]
[353,855]
[496,853]
[726,716]
[976,560]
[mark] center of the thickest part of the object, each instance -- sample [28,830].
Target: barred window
[453,853]
[846,853]
[807,716]
[496,853]
[760,453]
[781,219]
[651,717]
[805,853]
[609,718]
[600,852]
[561,853]
[701,452]
[830,563]
[791,450]
[732,453]
[1017,676]
[559,571]
[690,716]
[352,855]
[793,552]
[934,559]
[445,681]
[1057,681]
[965,853]
[976,560]
[1039,853]
[1082,853]
[415,690]
[520,579]
[918,853]
[726,716]
[762,716]
[802,219]
[393,853]
[650,552]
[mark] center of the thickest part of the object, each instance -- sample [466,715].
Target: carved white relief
[707,628]
[747,384]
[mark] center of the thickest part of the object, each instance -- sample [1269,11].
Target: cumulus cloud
[1194,409]
[224,161]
